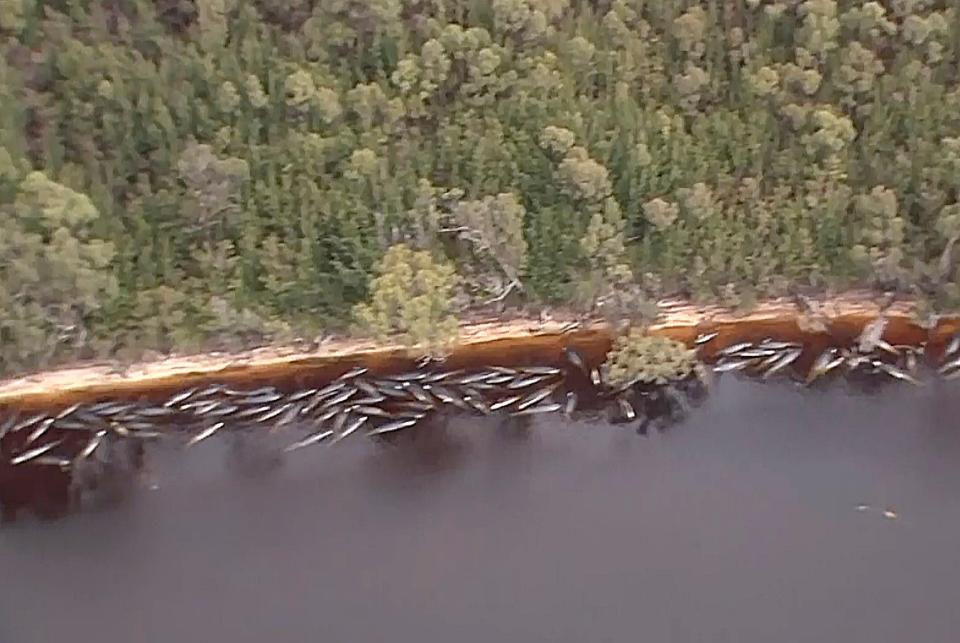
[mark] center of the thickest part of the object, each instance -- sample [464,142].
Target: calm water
[739,525]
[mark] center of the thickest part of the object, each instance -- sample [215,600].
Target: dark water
[740,525]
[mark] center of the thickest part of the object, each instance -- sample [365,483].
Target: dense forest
[188,174]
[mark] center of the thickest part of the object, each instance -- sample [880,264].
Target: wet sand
[480,342]
[739,525]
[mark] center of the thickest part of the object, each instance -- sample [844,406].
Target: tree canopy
[412,300]
[182,173]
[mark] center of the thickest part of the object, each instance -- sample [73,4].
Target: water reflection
[740,524]
[91,453]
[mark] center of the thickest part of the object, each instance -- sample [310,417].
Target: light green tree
[54,273]
[650,359]
[411,301]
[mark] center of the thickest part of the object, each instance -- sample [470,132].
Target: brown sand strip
[515,341]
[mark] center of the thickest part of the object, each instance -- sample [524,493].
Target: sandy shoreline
[675,314]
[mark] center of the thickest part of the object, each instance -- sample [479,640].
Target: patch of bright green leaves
[411,301]
[647,359]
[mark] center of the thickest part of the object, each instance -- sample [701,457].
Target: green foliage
[602,153]
[54,273]
[649,359]
[12,15]
[411,301]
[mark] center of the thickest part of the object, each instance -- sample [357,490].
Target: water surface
[739,525]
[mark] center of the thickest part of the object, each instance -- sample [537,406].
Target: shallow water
[741,524]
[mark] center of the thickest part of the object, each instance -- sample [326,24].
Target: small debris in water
[889,514]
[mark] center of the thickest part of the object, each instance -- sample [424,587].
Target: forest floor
[813,316]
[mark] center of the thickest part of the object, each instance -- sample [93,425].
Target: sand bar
[678,318]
